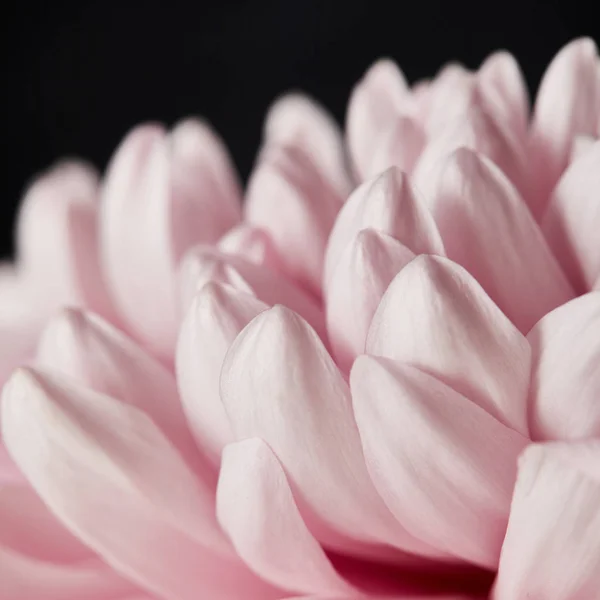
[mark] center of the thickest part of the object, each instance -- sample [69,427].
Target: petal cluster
[374,373]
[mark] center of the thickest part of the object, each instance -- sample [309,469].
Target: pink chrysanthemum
[381,380]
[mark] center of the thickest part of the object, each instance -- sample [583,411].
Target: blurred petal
[203,265]
[290,199]
[216,316]
[297,120]
[111,477]
[552,546]
[436,317]
[375,103]
[163,194]
[572,222]
[250,243]
[478,131]
[278,383]
[566,106]
[387,204]
[400,146]
[448,477]
[487,228]
[503,88]
[57,239]
[94,353]
[357,285]
[565,388]
[267,529]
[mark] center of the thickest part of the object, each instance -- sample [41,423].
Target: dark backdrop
[77,75]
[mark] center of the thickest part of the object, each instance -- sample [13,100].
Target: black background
[78,75]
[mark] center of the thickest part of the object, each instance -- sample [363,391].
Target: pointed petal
[278,383]
[502,86]
[375,103]
[297,120]
[552,546]
[203,265]
[565,384]
[358,283]
[487,228]
[478,131]
[162,195]
[107,472]
[572,221]
[387,204]
[566,106]
[443,465]
[400,146]
[296,206]
[94,353]
[436,317]
[216,316]
[267,531]
[57,239]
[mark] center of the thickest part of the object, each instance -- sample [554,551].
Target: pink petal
[565,388]
[436,317]
[444,466]
[387,204]
[357,285]
[204,264]
[25,578]
[267,529]
[572,221]
[503,89]
[479,131]
[278,383]
[108,473]
[250,243]
[297,120]
[552,546]
[375,103]
[566,106]
[487,228]
[581,144]
[290,199]
[163,194]
[216,316]
[57,239]
[94,353]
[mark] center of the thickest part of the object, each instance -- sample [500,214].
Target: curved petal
[387,204]
[57,240]
[375,103]
[94,353]
[250,243]
[358,283]
[480,132]
[502,86]
[267,530]
[565,385]
[488,229]
[572,221]
[436,317]
[398,145]
[204,264]
[289,198]
[278,383]
[163,194]
[552,545]
[297,120]
[111,477]
[566,106]
[444,466]
[216,316]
